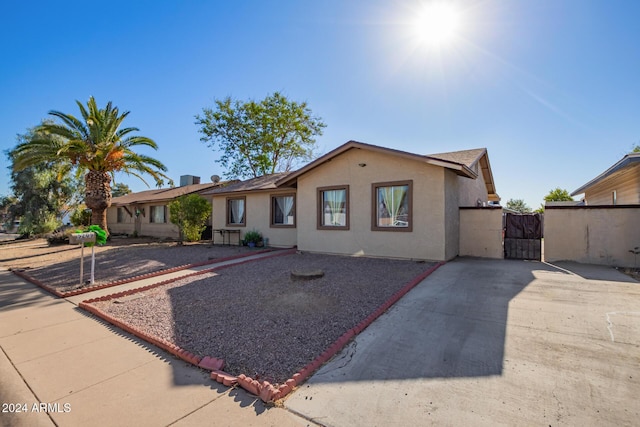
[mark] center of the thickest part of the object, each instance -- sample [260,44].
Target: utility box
[189,180]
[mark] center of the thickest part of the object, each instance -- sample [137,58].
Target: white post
[93,262]
[81,262]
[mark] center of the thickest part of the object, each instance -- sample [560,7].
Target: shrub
[81,217]
[190,214]
[60,237]
[253,236]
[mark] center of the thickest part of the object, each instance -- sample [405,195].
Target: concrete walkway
[483,342]
[91,373]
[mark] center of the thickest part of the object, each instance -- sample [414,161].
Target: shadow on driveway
[451,325]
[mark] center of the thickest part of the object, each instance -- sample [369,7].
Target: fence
[481,232]
[592,234]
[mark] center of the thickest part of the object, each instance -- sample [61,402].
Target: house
[362,199]
[618,185]
[256,204]
[146,213]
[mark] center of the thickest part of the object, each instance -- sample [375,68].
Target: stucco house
[146,213]
[362,199]
[618,185]
[256,204]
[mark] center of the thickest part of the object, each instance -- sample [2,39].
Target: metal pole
[81,262]
[93,262]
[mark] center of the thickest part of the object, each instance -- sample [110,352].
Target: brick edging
[60,294]
[265,390]
[212,364]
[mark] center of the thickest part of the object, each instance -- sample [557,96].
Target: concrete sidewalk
[90,373]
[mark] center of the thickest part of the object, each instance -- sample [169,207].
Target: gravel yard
[263,323]
[59,266]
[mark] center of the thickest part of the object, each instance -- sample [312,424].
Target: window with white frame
[392,206]
[236,211]
[158,214]
[283,210]
[333,208]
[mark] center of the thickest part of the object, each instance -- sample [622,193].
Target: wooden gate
[523,236]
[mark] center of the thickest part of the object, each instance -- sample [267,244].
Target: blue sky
[551,88]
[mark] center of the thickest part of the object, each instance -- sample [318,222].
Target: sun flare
[437,24]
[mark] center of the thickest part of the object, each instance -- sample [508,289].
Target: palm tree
[95,145]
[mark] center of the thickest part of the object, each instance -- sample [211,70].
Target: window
[158,214]
[120,215]
[236,212]
[333,208]
[391,210]
[614,197]
[283,210]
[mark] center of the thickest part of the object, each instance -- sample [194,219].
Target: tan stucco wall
[452,215]
[471,190]
[258,217]
[481,233]
[426,241]
[591,235]
[115,227]
[626,185]
[147,228]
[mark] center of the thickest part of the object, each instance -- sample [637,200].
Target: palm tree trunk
[97,197]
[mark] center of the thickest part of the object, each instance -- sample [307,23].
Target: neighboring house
[618,185]
[146,213]
[362,199]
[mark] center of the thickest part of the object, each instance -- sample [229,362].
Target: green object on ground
[101,235]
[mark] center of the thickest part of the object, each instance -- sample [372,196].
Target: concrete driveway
[484,342]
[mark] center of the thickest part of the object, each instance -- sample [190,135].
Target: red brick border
[265,390]
[21,273]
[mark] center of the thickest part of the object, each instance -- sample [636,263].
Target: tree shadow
[125,263]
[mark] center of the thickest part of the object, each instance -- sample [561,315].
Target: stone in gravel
[306,274]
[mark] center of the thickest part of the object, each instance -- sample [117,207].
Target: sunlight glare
[437,24]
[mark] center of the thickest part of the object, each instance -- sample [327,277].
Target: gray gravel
[260,321]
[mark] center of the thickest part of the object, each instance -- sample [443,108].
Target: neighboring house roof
[631,160]
[160,194]
[265,182]
[461,162]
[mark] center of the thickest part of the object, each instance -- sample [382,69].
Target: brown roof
[459,168]
[161,194]
[461,162]
[265,182]
[464,157]
[628,161]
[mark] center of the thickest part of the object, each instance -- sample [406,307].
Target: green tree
[258,138]
[120,189]
[190,214]
[42,192]
[81,216]
[558,195]
[636,149]
[518,205]
[96,145]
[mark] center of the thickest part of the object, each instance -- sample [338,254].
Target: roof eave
[620,164]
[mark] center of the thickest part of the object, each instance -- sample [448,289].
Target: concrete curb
[54,291]
[265,390]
